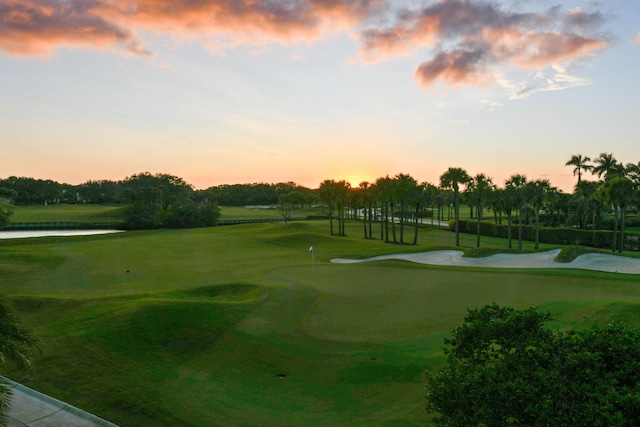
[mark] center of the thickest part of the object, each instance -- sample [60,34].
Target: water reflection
[46,233]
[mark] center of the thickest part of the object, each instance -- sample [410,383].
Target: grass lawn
[100,213]
[67,213]
[632,230]
[231,326]
[241,212]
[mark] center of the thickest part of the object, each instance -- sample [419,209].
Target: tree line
[396,205]
[30,191]
[395,202]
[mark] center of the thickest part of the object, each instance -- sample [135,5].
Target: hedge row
[559,236]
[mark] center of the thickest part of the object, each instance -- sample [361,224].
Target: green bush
[504,368]
[487,228]
[602,239]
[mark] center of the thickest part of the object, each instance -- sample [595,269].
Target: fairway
[68,213]
[231,326]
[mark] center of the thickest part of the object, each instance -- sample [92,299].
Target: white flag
[311,249]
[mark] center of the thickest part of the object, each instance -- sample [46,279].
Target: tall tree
[432,197]
[385,199]
[580,164]
[327,194]
[288,202]
[586,192]
[619,192]
[420,199]
[607,165]
[6,210]
[537,191]
[633,172]
[509,204]
[405,189]
[364,198]
[478,190]
[453,178]
[343,189]
[516,186]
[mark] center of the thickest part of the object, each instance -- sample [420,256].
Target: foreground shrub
[505,368]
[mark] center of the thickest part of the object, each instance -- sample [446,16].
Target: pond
[47,233]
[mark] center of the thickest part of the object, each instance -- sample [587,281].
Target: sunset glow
[221,91]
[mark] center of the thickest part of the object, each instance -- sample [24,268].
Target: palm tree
[432,197]
[15,343]
[478,189]
[509,204]
[606,165]
[586,191]
[385,198]
[633,172]
[365,190]
[619,192]
[405,189]
[343,189]
[580,164]
[516,186]
[496,203]
[537,192]
[327,193]
[452,179]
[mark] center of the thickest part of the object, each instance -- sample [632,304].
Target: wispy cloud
[471,41]
[36,27]
[637,39]
[557,78]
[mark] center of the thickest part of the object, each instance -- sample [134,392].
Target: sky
[243,91]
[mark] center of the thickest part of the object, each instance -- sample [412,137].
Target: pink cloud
[35,27]
[637,40]
[470,38]
[32,27]
[455,68]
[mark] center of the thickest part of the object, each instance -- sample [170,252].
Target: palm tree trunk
[520,230]
[402,215]
[415,232]
[537,228]
[457,217]
[331,219]
[615,228]
[364,222]
[478,227]
[593,227]
[386,222]
[509,229]
[622,221]
[393,224]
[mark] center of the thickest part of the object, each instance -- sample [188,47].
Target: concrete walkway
[30,408]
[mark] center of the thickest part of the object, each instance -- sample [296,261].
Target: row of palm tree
[616,190]
[604,166]
[398,202]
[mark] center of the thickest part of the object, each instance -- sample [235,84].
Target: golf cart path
[30,408]
[592,261]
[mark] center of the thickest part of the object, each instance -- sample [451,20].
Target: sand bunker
[597,262]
